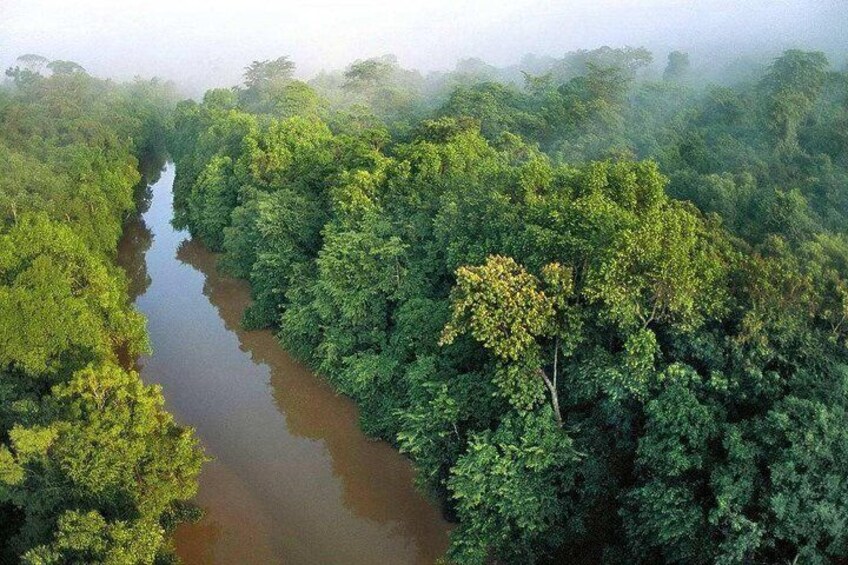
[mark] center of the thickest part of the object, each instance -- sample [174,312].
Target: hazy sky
[207,42]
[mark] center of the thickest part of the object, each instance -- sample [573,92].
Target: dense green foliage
[605,314]
[92,468]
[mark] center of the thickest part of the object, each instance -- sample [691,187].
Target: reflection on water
[132,248]
[293,480]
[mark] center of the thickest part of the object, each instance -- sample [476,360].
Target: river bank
[293,479]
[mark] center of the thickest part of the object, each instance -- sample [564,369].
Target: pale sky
[207,42]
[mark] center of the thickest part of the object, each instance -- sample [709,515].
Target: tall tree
[677,66]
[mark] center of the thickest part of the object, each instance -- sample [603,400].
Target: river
[293,479]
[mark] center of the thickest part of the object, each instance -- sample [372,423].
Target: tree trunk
[554,399]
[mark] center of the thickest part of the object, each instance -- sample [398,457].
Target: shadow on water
[294,480]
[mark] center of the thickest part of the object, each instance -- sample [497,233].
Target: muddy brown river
[293,479]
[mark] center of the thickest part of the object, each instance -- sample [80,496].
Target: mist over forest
[200,45]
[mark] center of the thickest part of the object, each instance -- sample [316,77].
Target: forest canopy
[603,310]
[599,301]
[92,467]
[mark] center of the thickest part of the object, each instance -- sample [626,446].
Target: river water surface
[293,479]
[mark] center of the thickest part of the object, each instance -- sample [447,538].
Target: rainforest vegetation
[600,301]
[602,306]
[92,468]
